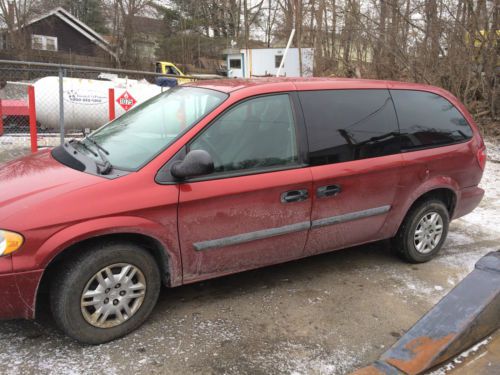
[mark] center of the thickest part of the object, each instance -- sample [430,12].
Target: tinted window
[348,125]
[427,119]
[255,134]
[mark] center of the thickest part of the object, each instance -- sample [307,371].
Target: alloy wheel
[428,232]
[113,295]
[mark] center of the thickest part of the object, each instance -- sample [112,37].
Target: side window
[344,125]
[235,63]
[171,70]
[427,119]
[277,61]
[255,134]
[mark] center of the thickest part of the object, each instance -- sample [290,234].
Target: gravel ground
[328,314]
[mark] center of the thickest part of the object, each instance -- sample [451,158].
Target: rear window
[344,125]
[427,120]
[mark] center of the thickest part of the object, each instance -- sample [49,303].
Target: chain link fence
[43,104]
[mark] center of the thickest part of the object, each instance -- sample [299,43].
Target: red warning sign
[126,100]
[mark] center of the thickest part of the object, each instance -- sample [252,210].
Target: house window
[235,63]
[43,42]
[277,61]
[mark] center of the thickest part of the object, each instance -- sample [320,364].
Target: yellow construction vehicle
[166,67]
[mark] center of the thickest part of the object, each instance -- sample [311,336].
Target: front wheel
[105,292]
[423,232]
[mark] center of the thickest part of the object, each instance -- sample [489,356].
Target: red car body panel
[77,207]
[366,184]
[54,206]
[18,294]
[217,209]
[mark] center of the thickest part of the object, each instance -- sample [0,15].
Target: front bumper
[18,294]
[469,199]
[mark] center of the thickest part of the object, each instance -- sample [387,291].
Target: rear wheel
[423,232]
[105,293]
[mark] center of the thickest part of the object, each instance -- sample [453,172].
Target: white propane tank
[86,102]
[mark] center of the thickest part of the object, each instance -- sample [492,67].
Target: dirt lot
[328,314]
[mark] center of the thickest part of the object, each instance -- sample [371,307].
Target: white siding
[261,62]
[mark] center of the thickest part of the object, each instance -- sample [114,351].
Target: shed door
[235,67]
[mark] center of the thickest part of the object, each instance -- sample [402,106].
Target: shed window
[44,42]
[235,63]
[3,41]
[277,61]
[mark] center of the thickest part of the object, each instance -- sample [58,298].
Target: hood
[27,181]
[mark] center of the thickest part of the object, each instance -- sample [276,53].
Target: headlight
[9,242]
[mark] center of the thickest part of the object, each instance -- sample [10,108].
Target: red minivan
[213,178]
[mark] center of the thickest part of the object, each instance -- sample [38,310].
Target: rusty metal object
[470,312]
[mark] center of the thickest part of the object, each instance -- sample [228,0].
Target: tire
[77,315]
[408,243]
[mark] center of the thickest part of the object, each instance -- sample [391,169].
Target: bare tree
[128,9]
[14,14]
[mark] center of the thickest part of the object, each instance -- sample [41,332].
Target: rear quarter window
[345,125]
[427,120]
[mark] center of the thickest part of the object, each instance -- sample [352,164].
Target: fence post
[111,97]
[61,105]
[32,116]
[1,118]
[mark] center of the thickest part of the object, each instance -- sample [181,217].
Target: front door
[355,163]
[254,210]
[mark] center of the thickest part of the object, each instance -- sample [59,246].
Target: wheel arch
[168,262]
[447,194]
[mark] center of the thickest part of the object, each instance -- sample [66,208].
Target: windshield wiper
[93,141]
[106,167]
[84,145]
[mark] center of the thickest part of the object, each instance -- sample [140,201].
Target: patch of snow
[478,233]
[458,238]
[407,285]
[464,259]
[492,150]
[485,219]
[443,370]
[58,354]
[302,359]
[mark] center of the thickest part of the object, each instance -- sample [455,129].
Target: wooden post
[32,116]
[111,96]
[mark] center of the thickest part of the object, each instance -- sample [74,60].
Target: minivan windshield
[136,137]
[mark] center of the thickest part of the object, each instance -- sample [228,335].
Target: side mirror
[196,163]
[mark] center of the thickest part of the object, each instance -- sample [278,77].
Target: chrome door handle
[294,196]
[328,191]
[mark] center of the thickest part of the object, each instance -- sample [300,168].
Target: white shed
[261,62]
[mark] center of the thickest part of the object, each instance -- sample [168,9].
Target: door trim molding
[252,236]
[349,216]
[286,229]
